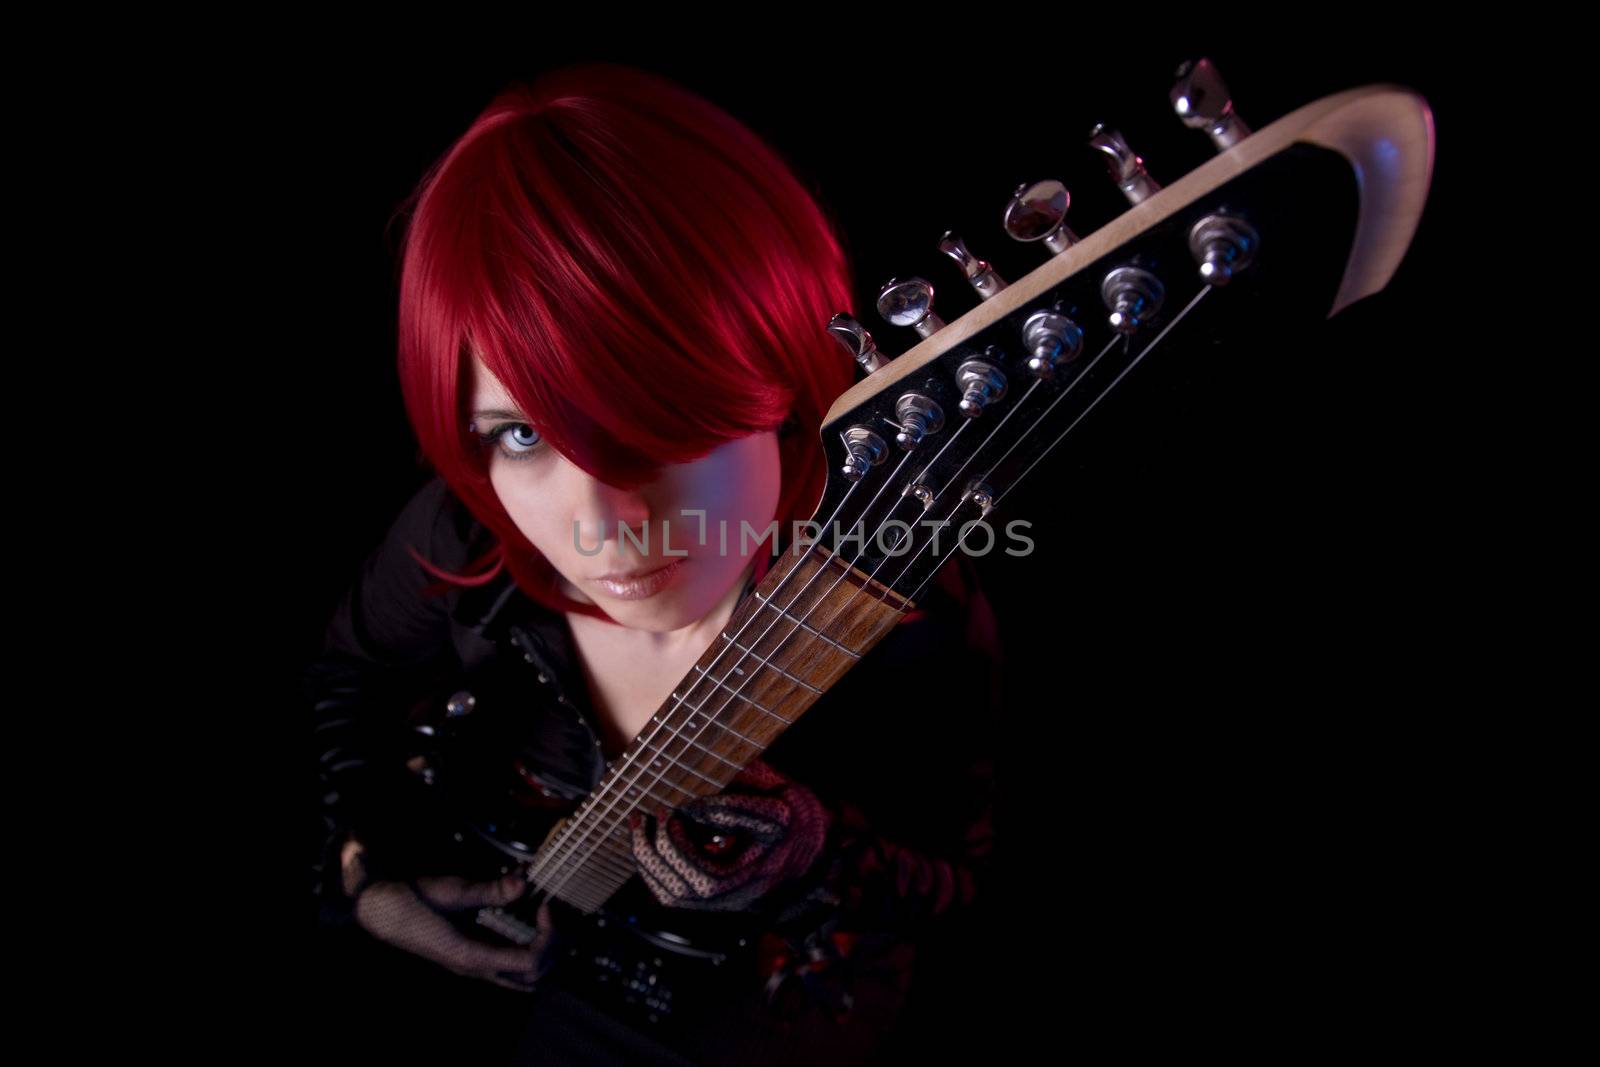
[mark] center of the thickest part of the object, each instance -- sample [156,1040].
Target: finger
[544,932]
[453,892]
[391,912]
[488,959]
[763,821]
[759,774]
[439,890]
[499,892]
[509,981]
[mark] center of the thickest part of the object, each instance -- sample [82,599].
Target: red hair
[644,275]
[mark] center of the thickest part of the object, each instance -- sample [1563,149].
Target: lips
[624,576]
[642,582]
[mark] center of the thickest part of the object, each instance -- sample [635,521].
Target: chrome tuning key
[857,341]
[1038,212]
[1133,296]
[1202,101]
[1051,339]
[866,450]
[909,303]
[1126,168]
[918,416]
[980,382]
[1223,246]
[978,271]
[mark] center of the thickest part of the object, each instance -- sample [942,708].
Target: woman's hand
[726,851]
[395,913]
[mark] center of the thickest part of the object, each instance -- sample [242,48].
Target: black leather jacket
[900,750]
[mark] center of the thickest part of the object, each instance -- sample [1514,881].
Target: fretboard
[805,624]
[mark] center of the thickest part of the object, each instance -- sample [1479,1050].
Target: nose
[601,511]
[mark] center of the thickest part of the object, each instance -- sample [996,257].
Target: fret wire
[672,763]
[750,651]
[675,759]
[784,614]
[719,684]
[719,724]
[646,791]
[801,624]
[676,733]
[670,801]
[822,567]
[562,850]
[713,753]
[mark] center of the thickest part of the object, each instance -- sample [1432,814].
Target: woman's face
[660,574]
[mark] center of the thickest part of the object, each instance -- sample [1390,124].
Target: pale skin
[567,514]
[631,668]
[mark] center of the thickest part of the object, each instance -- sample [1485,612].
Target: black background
[1210,822]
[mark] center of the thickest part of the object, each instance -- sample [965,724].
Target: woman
[611,342]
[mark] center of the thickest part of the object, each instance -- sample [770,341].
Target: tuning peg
[979,382]
[1052,339]
[1133,296]
[863,451]
[1126,168]
[919,416]
[1037,212]
[1202,101]
[1223,246]
[979,272]
[909,303]
[857,341]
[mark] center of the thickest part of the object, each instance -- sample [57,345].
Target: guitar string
[580,816]
[955,477]
[783,612]
[607,834]
[640,747]
[1047,448]
[822,626]
[910,529]
[798,625]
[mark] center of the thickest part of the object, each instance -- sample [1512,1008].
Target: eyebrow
[497,413]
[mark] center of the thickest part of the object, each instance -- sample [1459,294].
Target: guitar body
[488,791]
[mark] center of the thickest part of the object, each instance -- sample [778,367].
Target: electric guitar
[941,434]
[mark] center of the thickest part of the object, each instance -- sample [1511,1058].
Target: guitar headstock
[1289,223]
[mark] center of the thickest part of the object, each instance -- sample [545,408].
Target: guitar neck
[810,620]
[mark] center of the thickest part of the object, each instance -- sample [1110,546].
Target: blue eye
[516,440]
